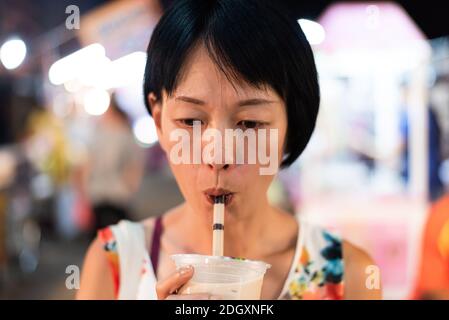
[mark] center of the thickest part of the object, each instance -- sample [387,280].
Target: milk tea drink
[227,277]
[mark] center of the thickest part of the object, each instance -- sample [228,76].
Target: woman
[114,170]
[227,64]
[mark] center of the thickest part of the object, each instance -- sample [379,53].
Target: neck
[242,236]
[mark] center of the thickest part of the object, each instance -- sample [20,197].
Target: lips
[210,195]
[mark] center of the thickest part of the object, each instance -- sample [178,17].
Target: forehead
[202,77]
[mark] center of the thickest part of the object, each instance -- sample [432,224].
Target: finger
[195,296]
[169,285]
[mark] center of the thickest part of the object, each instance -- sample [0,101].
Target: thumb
[168,286]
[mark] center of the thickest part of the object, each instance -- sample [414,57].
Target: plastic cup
[227,277]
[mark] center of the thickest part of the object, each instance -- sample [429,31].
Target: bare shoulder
[362,276]
[96,279]
[355,255]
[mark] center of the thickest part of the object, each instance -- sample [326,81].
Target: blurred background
[78,150]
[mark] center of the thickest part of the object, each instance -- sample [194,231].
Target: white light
[314,32]
[96,102]
[12,53]
[73,85]
[72,65]
[145,130]
[128,70]
[95,73]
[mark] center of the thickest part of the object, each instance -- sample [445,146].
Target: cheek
[249,178]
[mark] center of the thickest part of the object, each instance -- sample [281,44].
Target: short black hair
[249,40]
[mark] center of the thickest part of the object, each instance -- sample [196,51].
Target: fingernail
[184,270]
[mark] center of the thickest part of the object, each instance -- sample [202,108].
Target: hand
[167,289]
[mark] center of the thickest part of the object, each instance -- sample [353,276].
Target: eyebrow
[247,102]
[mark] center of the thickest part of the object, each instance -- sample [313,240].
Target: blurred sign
[121,27]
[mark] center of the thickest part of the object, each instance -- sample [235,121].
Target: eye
[250,124]
[188,122]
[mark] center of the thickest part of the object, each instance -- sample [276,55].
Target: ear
[156,112]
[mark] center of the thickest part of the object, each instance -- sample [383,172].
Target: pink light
[366,26]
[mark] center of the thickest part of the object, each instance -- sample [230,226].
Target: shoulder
[321,240]
[320,267]
[324,239]
[110,235]
[101,269]
[96,280]
[355,257]
[341,262]
[362,276]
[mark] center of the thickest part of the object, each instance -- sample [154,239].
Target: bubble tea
[228,277]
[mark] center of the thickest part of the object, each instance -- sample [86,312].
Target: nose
[222,162]
[223,157]
[219,166]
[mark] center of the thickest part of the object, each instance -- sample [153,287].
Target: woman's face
[205,94]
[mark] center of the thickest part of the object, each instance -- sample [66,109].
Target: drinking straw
[218,226]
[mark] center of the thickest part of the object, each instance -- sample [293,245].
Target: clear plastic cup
[227,277]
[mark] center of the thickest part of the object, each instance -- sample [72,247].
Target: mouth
[211,194]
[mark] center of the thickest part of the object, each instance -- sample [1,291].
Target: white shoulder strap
[130,238]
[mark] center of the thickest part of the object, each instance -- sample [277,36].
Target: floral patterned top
[316,272]
[319,271]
